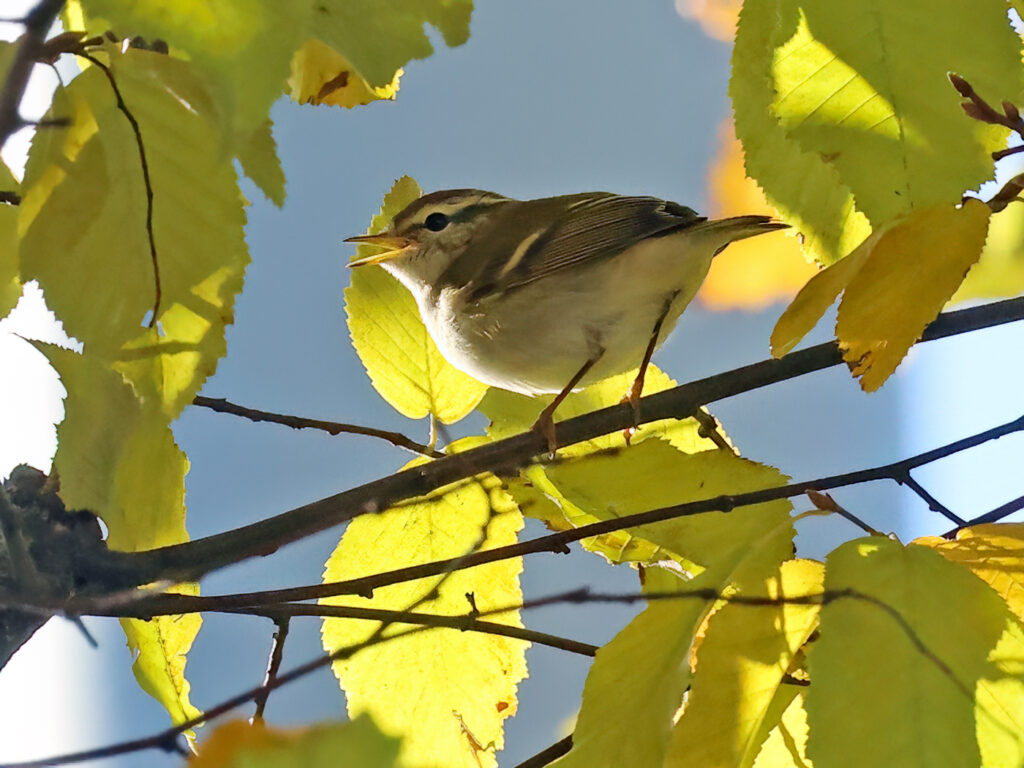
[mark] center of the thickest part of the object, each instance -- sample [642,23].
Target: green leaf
[638,680]
[403,362]
[741,662]
[10,284]
[932,651]
[238,744]
[243,47]
[380,38]
[83,219]
[864,85]
[258,156]
[800,184]
[446,692]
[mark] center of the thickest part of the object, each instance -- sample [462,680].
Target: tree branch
[189,561]
[37,24]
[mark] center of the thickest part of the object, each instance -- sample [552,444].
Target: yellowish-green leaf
[994,553]
[932,648]
[445,692]
[321,75]
[786,745]
[1000,270]
[895,284]
[117,458]
[83,220]
[381,38]
[239,744]
[403,362]
[242,47]
[741,663]
[863,84]
[511,413]
[258,156]
[10,285]
[636,685]
[801,185]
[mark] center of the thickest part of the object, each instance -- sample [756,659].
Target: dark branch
[993,516]
[281,626]
[331,427]
[37,24]
[549,755]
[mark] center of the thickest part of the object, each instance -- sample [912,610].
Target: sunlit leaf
[258,156]
[863,84]
[741,663]
[994,553]
[378,39]
[238,744]
[242,46]
[786,745]
[800,184]
[755,272]
[637,682]
[403,362]
[321,75]
[1000,270]
[10,285]
[445,692]
[83,220]
[895,284]
[931,648]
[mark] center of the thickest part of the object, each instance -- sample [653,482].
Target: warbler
[544,296]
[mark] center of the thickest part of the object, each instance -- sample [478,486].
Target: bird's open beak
[397,247]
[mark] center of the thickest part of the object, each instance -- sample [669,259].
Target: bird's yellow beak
[397,247]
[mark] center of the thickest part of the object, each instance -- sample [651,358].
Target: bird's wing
[596,225]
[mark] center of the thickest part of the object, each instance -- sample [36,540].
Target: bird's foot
[633,398]
[545,426]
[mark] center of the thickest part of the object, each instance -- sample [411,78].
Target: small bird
[542,296]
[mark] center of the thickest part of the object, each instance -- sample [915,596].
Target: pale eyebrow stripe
[517,255]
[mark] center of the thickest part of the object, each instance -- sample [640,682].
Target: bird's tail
[742,227]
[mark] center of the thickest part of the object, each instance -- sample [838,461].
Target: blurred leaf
[242,47]
[83,220]
[117,458]
[994,553]
[749,274]
[800,184]
[786,745]
[258,156]
[378,39]
[926,671]
[637,682]
[396,349]
[10,285]
[864,86]
[741,663]
[237,744]
[895,284]
[321,75]
[446,692]
[1000,270]
[716,17]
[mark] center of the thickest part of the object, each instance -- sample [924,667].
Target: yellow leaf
[237,744]
[716,17]
[10,284]
[994,553]
[445,692]
[1000,270]
[786,746]
[321,75]
[741,663]
[404,364]
[895,283]
[636,684]
[931,648]
[752,273]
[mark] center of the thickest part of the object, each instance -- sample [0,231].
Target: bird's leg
[545,423]
[633,395]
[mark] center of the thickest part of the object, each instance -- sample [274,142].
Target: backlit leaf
[403,362]
[786,745]
[863,84]
[321,75]
[445,692]
[258,156]
[895,284]
[931,648]
[239,744]
[1000,270]
[10,285]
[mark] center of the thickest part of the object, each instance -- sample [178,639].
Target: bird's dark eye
[435,222]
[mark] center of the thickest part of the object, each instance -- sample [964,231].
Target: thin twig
[933,504]
[993,516]
[549,755]
[298,422]
[826,503]
[37,23]
[281,625]
[189,561]
[145,177]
